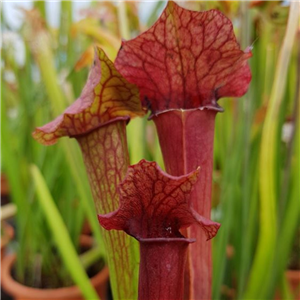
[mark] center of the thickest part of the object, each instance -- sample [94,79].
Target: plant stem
[290,145]
[41,6]
[123,20]
[162,268]
[192,131]
[61,236]
[246,199]
[267,166]
[106,158]
[89,257]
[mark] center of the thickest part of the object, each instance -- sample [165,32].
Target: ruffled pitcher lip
[154,205]
[107,97]
[190,74]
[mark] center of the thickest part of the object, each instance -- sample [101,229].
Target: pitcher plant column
[98,122]
[182,65]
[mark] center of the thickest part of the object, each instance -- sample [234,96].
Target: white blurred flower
[11,41]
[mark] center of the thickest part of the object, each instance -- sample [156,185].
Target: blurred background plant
[44,69]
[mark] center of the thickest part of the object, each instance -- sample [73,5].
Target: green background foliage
[256,156]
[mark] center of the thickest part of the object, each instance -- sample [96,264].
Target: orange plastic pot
[21,292]
[293,277]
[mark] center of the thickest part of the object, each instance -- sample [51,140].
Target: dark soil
[4,296]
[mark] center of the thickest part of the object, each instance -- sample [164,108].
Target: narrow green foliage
[61,236]
[267,181]
[256,172]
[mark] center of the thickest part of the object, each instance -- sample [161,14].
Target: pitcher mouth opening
[167,240]
[215,108]
[125,118]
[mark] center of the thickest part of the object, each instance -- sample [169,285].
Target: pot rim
[17,289]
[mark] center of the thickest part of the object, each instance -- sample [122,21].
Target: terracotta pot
[8,234]
[22,292]
[293,278]
[4,190]
[4,185]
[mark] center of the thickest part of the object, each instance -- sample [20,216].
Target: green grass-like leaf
[61,236]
